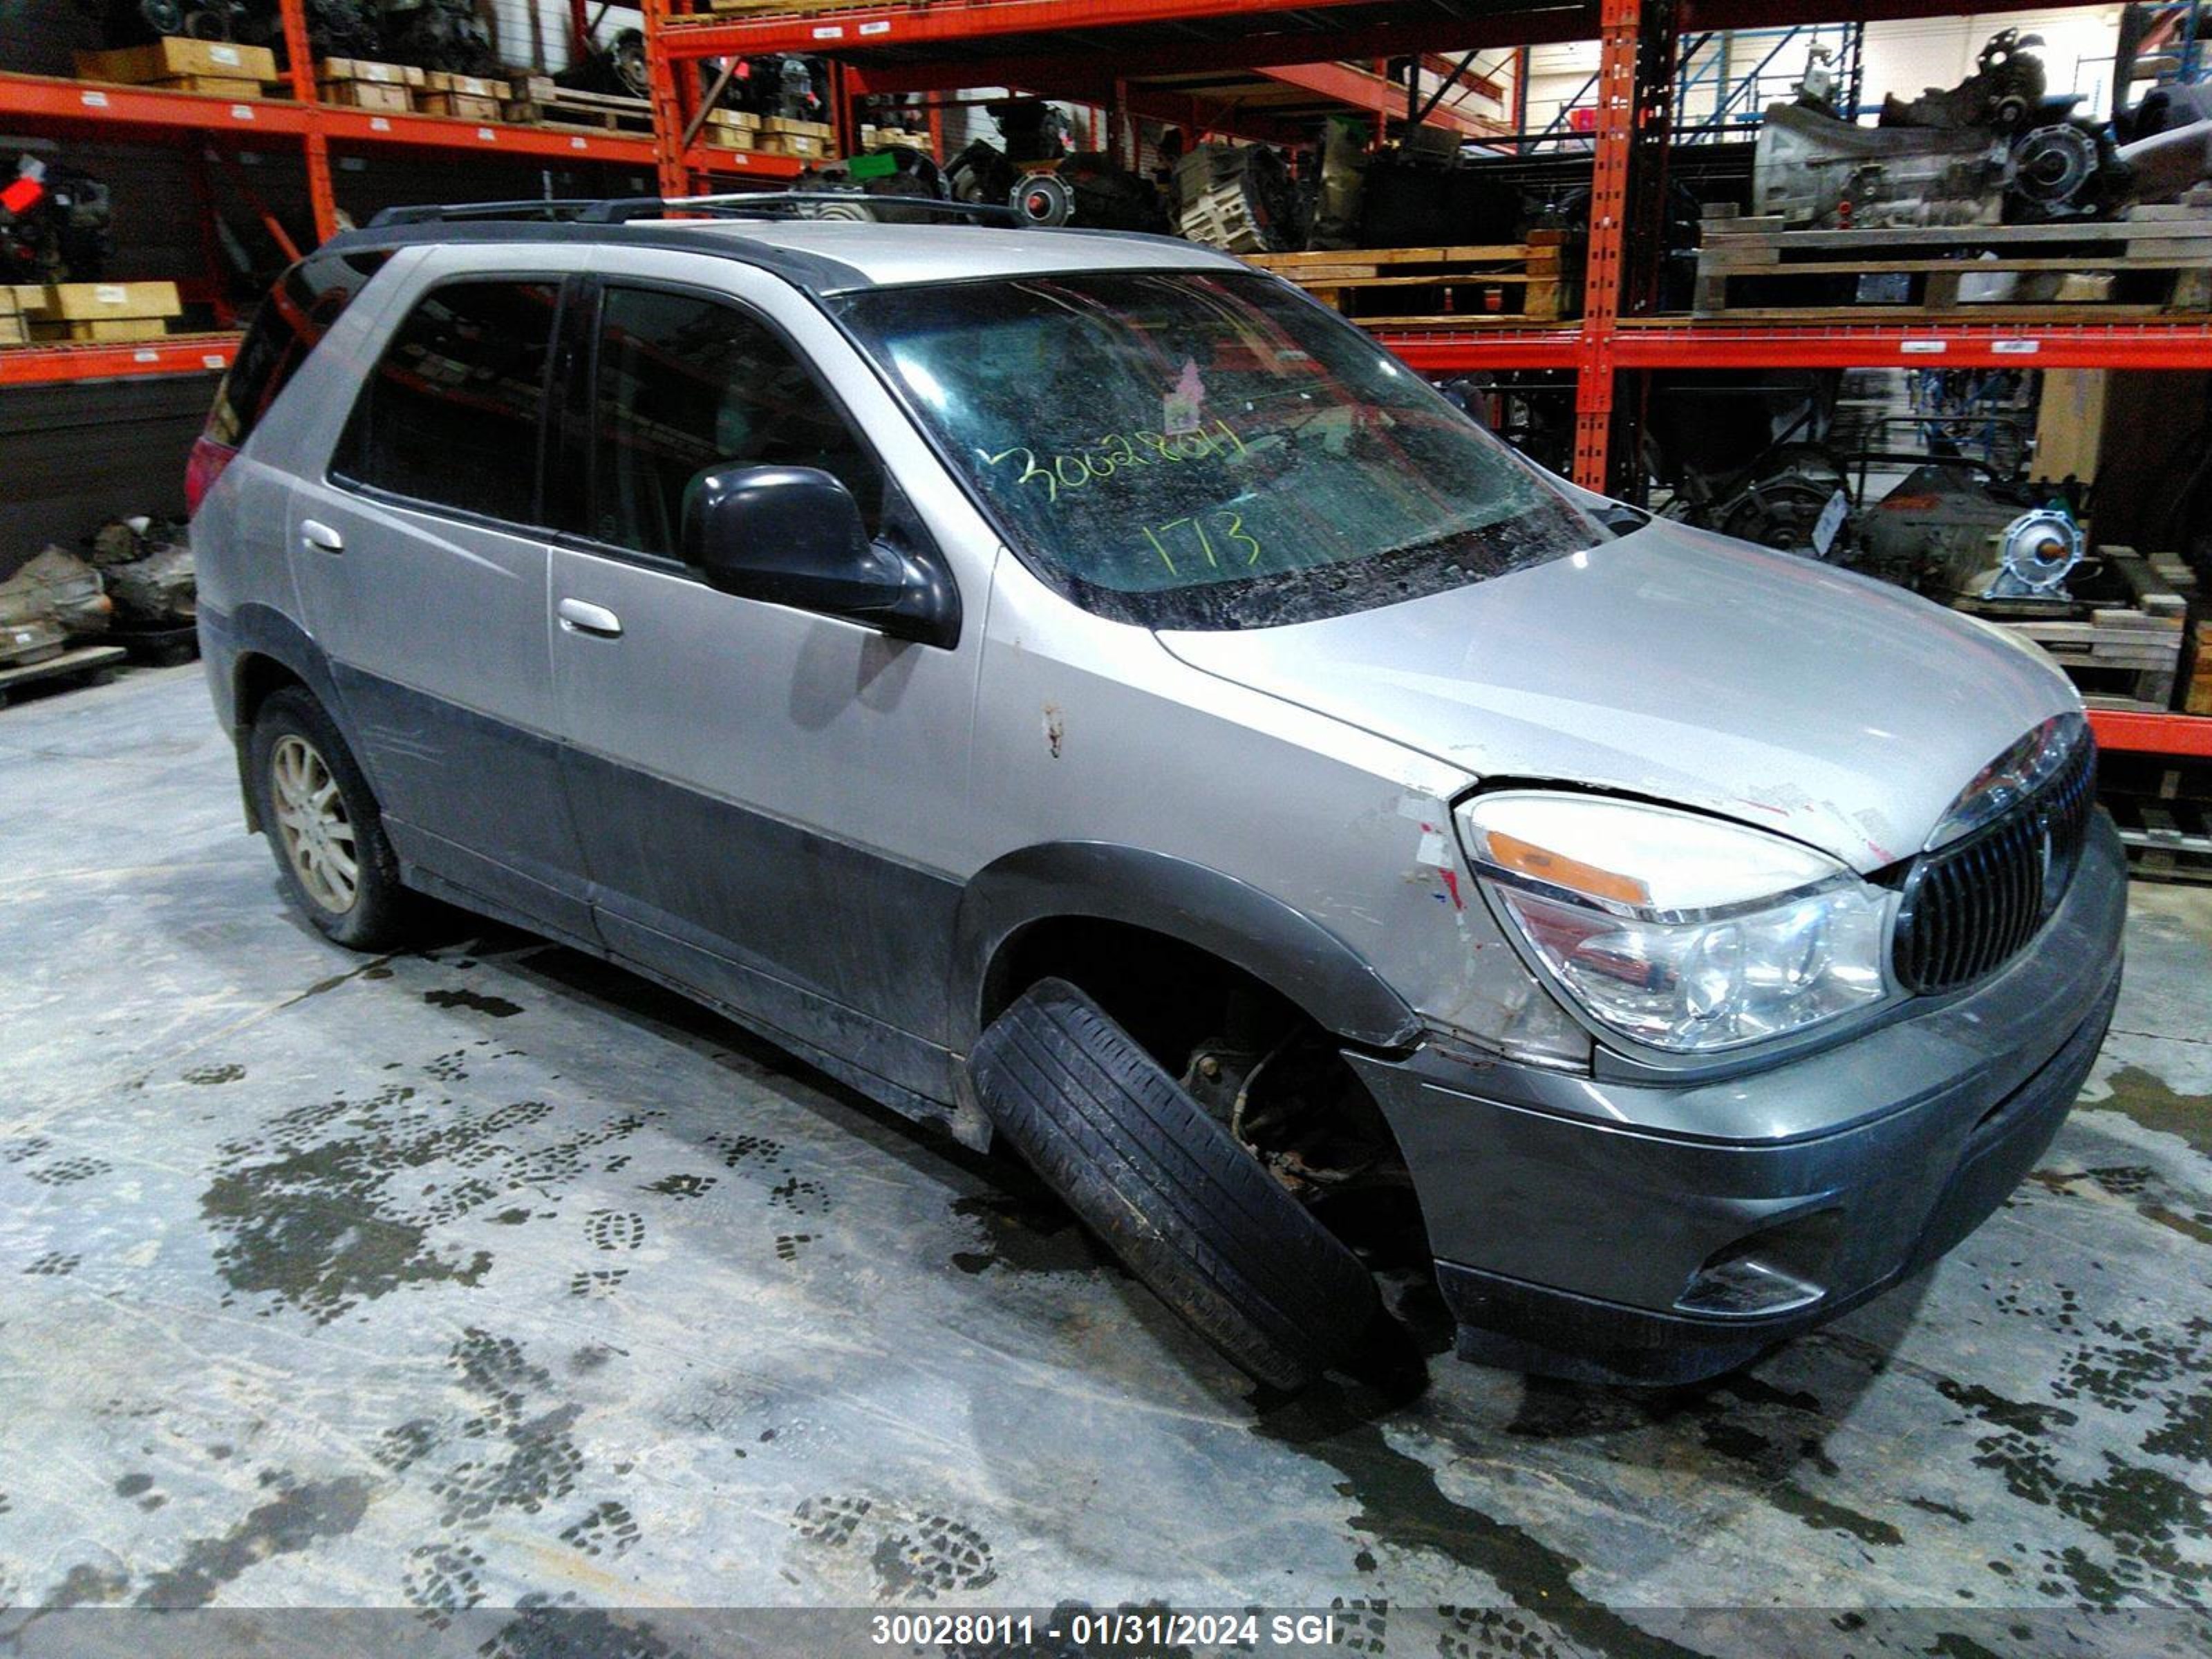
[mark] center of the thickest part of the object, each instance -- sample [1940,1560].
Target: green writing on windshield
[1235,538]
[1116,453]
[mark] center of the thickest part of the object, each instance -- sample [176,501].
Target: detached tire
[1195,1215]
[324,826]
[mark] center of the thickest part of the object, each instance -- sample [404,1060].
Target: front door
[421,562]
[758,788]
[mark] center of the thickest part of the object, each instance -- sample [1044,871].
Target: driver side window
[688,385]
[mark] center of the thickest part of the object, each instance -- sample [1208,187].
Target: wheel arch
[1179,903]
[269,652]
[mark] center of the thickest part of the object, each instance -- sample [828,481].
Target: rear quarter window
[455,413]
[307,300]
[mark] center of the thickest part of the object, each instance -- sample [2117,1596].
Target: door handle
[578,617]
[314,533]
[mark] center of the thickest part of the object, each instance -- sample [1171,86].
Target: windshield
[1193,450]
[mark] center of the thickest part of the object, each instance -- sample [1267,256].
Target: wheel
[1194,1216]
[323,827]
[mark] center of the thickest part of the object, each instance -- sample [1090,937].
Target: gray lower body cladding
[1572,1235]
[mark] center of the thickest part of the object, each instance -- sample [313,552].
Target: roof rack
[784,204]
[561,209]
[747,205]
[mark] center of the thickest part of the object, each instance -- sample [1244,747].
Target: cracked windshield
[1213,450]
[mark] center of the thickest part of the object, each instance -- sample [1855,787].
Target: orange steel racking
[1099,52]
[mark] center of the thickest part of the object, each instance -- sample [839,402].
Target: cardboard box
[359,69]
[70,302]
[740,120]
[461,106]
[208,86]
[797,145]
[467,86]
[365,94]
[797,128]
[136,65]
[13,331]
[110,330]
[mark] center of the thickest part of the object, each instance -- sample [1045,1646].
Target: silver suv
[1075,689]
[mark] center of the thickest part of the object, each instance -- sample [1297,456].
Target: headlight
[1687,932]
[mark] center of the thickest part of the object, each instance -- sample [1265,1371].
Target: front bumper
[1570,1216]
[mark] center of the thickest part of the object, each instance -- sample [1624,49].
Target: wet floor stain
[1025,1230]
[301,1517]
[2154,1103]
[476,1001]
[1397,1501]
[329,1205]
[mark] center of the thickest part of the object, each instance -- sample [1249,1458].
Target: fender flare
[1209,909]
[261,630]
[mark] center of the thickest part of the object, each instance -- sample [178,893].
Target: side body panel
[436,626]
[768,799]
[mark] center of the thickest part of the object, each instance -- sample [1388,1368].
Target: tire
[295,747]
[1193,1214]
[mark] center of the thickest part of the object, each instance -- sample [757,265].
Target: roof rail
[784,204]
[562,208]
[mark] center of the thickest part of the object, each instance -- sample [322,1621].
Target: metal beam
[1361,88]
[1087,60]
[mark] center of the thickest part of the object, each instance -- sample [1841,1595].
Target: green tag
[871,167]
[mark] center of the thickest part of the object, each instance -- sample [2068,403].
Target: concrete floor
[492,1277]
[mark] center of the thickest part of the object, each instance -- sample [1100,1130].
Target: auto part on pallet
[438,34]
[1413,197]
[56,590]
[140,22]
[1033,129]
[1097,194]
[617,69]
[1795,499]
[1996,147]
[893,171]
[160,588]
[1951,532]
[1238,197]
[55,224]
[787,85]
[2035,552]
[1087,189]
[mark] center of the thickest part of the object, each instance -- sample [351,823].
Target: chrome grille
[1970,907]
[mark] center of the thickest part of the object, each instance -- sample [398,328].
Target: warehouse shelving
[1144,58]
[299,124]
[1100,52]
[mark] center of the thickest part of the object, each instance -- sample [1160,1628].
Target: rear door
[422,562]
[769,799]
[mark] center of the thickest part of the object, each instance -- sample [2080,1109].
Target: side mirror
[792,535]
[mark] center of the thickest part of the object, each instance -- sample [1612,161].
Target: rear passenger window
[299,310]
[686,385]
[455,412]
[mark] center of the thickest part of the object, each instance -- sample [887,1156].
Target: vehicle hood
[1683,666]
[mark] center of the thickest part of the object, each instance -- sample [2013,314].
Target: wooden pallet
[87,662]
[156,646]
[2125,653]
[2167,832]
[1441,287]
[538,102]
[2139,267]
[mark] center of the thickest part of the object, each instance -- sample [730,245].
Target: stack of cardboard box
[104,312]
[220,69]
[356,83]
